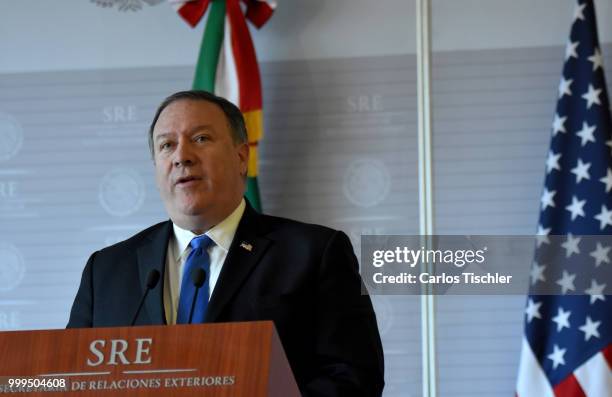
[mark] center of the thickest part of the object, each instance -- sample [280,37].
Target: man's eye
[165,146]
[201,138]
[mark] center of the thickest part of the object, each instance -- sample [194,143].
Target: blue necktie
[198,257]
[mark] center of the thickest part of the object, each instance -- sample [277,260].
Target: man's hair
[232,113]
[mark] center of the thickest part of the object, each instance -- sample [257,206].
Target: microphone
[198,277]
[152,280]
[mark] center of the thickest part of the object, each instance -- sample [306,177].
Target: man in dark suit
[303,277]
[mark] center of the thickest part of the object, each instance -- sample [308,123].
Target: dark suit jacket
[303,277]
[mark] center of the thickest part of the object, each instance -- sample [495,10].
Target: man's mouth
[187,180]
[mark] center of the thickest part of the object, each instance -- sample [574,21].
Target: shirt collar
[222,233]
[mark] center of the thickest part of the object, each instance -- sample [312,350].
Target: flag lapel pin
[246,246]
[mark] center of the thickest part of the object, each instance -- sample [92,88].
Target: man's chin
[193,210]
[189,216]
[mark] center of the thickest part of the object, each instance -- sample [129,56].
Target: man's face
[199,170]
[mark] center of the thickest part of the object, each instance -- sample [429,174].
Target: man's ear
[244,156]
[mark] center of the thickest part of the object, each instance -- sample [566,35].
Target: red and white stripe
[595,376]
[591,379]
[257,11]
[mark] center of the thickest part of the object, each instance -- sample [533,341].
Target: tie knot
[202,242]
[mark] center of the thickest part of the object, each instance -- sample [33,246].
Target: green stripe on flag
[252,193]
[206,69]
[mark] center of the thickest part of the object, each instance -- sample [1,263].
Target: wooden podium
[225,359]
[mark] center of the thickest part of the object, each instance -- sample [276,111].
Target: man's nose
[184,155]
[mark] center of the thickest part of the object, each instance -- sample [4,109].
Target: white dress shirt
[178,250]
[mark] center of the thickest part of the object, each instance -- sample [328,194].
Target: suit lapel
[152,255]
[245,252]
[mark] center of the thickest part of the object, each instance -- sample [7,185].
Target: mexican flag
[227,64]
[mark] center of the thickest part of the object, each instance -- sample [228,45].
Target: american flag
[567,345]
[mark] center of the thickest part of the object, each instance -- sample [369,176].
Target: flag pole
[423,17]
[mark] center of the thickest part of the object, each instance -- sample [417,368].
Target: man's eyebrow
[160,136]
[195,129]
[201,127]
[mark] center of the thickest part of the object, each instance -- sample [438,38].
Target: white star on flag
[586,134]
[607,180]
[567,282]
[533,310]
[562,319]
[600,254]
[557,356]
[571,245]
[592,96]
[559,124]
[581,171]
[609,144]
[547,199]
[564,87]
[578,12]
[604,217]
[576,207]
[542,236]
[552,161]
[537,273]
[590,328]
[597,59]
[570,50]
[596,292]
